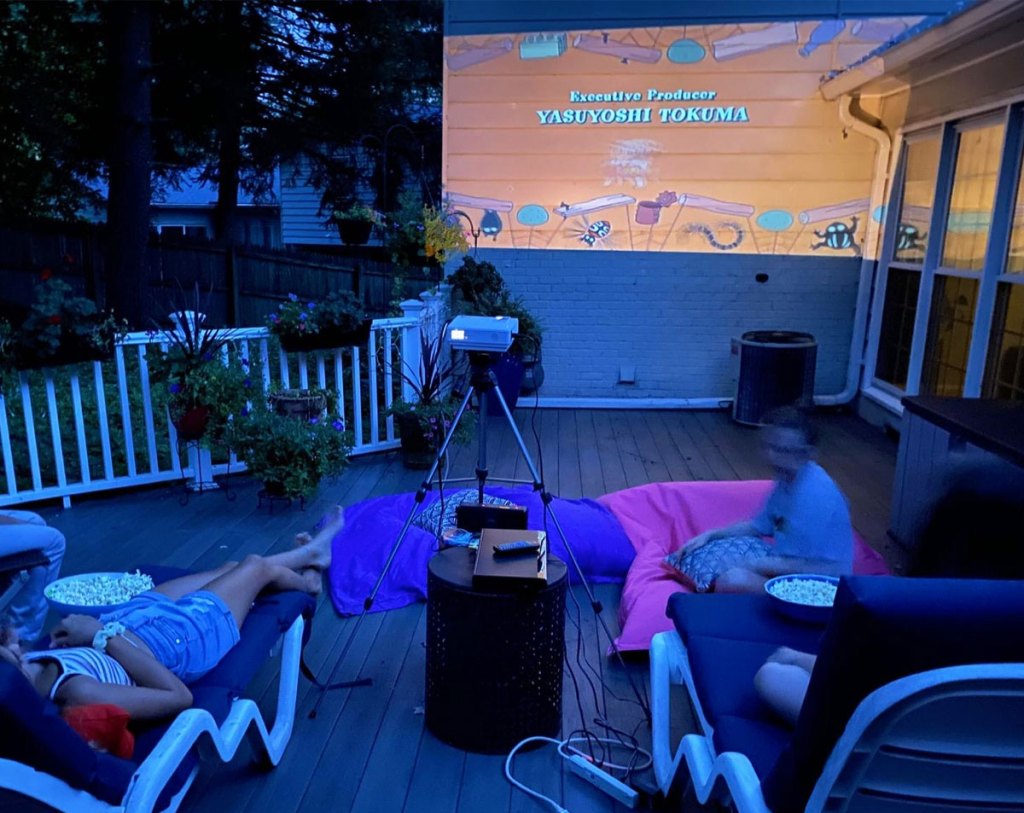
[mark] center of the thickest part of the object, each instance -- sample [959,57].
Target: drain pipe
[870,254]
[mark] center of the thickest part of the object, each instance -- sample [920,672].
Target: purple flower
[314,421]
[247,383]
[275,318]
[245,362]
[175,387]
[311,305]
[338,424]
[245,411]
[293,297]
[303,316]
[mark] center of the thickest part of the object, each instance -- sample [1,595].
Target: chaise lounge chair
[42,758]
[14,573]
[915,702]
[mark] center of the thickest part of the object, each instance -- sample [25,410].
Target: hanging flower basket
[328,338]
[354,232]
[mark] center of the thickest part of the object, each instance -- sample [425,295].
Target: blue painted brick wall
[672,315]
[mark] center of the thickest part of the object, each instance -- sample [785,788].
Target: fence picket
[83,445]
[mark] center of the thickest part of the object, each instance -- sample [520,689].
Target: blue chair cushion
[760,741]
[723,674]
[739,617]
[884,628]
[34,734]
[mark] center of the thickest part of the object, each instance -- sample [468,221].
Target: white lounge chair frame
[184,733]
[928,721]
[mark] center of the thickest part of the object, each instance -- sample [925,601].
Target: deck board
[367,749]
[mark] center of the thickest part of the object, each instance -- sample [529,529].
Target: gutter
[869,258]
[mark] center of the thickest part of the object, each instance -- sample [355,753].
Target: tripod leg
[368,602]
[546,499]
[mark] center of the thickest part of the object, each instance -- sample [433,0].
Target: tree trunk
[229,131]
[130,161]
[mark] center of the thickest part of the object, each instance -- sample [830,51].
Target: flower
[339,310]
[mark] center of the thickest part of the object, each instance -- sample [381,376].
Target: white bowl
[84,609]
[799,611]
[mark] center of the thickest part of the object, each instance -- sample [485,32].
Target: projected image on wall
[703,138]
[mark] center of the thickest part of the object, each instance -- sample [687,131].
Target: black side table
[494,659]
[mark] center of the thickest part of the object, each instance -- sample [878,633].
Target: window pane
[1004,376]
[1015,262]
[918,199]
[897,331]
[973,196]
[949,335]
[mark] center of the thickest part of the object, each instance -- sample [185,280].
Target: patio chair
[914,704]
[14,573]
[41,757]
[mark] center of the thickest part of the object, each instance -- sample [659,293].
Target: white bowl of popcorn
[95,593]
[803,596]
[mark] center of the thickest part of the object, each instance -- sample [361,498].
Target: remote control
[518,547]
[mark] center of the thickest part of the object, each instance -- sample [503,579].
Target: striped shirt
[83,660]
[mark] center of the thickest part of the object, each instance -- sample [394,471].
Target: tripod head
[480,363]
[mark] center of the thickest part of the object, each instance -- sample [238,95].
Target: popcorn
[813,592]
[100,590]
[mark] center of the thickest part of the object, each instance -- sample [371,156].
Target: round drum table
[494,659]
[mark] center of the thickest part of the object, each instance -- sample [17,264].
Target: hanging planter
[354,232]
[328,338]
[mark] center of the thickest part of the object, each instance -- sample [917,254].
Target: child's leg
[176,588]
[783,687]
[239,586]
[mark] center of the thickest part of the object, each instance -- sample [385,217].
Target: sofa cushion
[883,629]
[698,568]
[742,617]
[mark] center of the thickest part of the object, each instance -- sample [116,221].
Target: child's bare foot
[320,546]
[313,580]
[302,538]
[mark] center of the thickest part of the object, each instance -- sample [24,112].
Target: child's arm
[157,693]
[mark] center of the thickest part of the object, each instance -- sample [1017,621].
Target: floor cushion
[659,518]
[361,549]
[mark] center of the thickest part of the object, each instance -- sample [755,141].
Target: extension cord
[603,780]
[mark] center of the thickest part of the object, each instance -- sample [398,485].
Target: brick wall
[672,315]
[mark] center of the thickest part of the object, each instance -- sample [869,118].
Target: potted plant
[424,420]
[337,320]
[355,223]
[478,288]
[200,377]
[62,328]
[291,455]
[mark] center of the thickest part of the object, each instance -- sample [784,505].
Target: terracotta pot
[354,232]
[299,404]
[328,339]
[191,424]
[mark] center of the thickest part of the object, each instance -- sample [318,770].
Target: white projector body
[489,334]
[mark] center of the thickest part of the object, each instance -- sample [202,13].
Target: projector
[489,334]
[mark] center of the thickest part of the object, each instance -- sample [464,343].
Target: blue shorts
[189,636]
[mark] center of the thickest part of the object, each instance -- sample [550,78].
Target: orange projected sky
[704,138]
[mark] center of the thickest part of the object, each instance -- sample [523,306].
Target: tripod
[482,384]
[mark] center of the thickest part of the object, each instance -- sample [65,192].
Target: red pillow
[104,726]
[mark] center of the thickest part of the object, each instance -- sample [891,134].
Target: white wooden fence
[49,454]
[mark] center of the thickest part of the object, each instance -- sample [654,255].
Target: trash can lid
[785,338]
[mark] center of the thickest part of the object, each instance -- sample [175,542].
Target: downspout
[870,254]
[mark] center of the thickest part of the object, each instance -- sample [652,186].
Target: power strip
[602,780]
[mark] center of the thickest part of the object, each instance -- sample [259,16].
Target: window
[973,197]
[1004,376]
[1015,258]
[922,162]
[950,323]
[897,326]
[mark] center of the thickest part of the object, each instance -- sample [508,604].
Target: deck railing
[93,427]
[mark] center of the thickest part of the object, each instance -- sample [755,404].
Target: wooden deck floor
[368,750]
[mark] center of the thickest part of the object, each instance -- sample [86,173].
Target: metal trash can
[776,369]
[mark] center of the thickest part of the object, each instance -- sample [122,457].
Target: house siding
[673,316]
[301,221]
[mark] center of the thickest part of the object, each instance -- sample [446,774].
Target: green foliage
[58,319]
[357,211]
[433,405]
[295,317]
[290,454]
[478,288]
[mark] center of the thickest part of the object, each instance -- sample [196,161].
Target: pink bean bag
[660,517]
